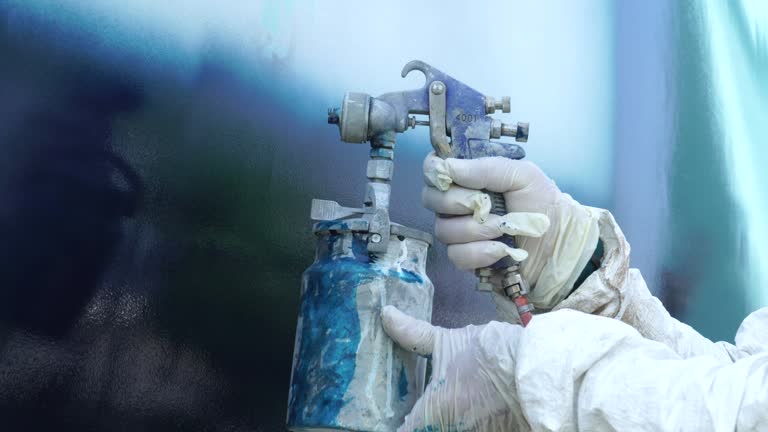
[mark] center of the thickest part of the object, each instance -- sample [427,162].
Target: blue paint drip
[436,428]
[330,337]
[406,276]
[402,385]
[332,225]
[360,251]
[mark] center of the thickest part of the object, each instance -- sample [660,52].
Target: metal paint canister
[347,373]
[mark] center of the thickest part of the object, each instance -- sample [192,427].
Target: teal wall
[717,227]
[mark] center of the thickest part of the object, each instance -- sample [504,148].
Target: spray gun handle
[499,208]
[513,284]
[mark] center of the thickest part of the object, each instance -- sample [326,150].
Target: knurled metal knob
[505,104]
[491,105]
[484,279]
[519,131]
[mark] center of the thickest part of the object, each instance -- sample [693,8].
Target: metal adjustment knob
[505,104]
[491,105]
[519,131]
[496,128]
[484,279]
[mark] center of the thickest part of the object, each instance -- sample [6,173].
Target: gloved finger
[426,412]
[410,333]
[447,395]
[479,254]
[436,172]
[497,174]
[457,201]
[464,229]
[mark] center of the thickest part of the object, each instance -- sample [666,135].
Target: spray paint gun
[457,111]
[347,374]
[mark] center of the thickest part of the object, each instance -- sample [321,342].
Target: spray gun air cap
[353,121]
[364,117]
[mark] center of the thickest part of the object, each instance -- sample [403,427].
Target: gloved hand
[472,384]
[556,236]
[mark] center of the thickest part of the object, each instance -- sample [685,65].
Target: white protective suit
[627,366]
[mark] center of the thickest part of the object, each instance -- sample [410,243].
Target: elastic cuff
[602,292]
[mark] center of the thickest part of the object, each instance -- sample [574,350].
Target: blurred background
[159,158]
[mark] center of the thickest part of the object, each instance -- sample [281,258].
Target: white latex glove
[555,234]
[472,384]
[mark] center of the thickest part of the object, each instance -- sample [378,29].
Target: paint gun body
[459,127]
[347,374]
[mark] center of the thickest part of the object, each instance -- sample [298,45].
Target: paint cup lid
[361,225]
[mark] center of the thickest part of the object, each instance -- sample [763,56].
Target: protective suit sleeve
[576,372]
[617,291]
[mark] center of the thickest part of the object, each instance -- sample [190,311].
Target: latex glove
[555,234]
[472,384]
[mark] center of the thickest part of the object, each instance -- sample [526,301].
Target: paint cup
[347,373]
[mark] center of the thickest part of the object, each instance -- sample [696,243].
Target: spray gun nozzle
[333,116]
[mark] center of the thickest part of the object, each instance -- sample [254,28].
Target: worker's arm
[604,375]
[569,371]
[617,291]
[556,248]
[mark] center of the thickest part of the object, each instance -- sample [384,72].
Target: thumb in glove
[472,383]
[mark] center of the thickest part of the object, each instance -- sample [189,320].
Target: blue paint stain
[330,335]
[332,225]
[360,251]
[402,385]
[436,428]
[406,276]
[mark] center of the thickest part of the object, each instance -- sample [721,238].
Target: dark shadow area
[153,239]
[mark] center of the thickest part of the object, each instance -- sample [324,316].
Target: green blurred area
[710,261]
